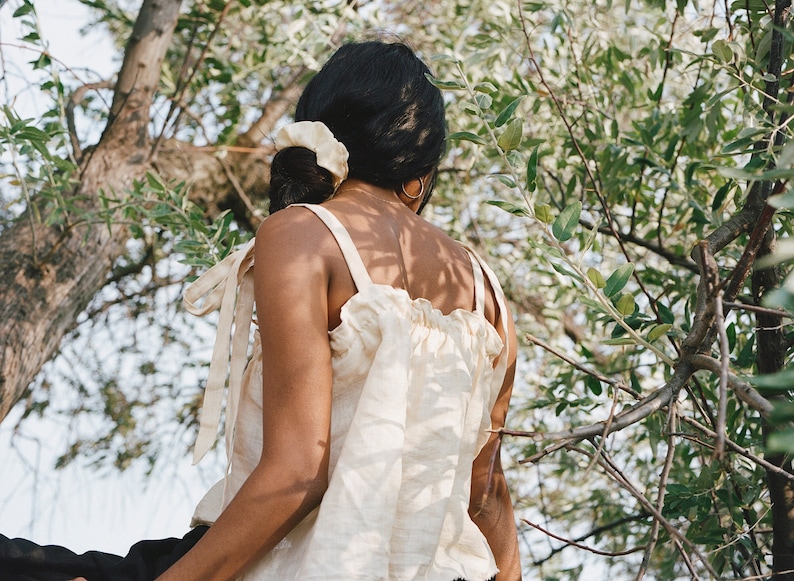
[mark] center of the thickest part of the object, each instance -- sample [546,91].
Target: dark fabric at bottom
[22,560]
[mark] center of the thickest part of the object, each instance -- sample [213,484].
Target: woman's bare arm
[291,477]
[491,507]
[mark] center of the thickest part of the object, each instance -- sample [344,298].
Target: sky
[78,507]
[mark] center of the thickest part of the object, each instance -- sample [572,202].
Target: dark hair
[295,177]
[376,99]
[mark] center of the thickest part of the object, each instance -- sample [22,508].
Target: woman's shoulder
[293,233]
[290,223]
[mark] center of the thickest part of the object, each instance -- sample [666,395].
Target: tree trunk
[770,358]
[50,273]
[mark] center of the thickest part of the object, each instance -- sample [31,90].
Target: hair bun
[296,177]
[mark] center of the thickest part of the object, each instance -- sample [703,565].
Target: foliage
[593,146]
[621,136]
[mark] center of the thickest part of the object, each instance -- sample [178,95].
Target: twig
[754,577]
[743,390]
[704,308]
[583,368]
[757,309]
[256,214]
[572,543]
[602,440]
[679,538]
[668,464]
[735,447]
[745,264]
[671,257]
[75,99]
[722,407]
[543,453]
[710,278]
[177,101]
[593,532]
[639,411]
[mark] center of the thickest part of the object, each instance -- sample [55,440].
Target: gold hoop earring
[417,196]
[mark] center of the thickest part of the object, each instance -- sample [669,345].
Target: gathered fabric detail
[412,395]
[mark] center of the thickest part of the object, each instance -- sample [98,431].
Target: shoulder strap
[479,283]
[353,259]
[501,303]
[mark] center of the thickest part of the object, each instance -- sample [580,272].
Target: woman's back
[402,250]
[413,389]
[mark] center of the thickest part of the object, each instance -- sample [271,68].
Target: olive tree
[623,167]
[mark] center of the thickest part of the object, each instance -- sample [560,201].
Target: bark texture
[50,273]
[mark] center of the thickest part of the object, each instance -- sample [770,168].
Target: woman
[384,372]
[366,450]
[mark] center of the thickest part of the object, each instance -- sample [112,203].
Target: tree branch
[75,99]
[743,390]
[639,411]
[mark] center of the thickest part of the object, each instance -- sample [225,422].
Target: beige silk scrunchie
[315,136]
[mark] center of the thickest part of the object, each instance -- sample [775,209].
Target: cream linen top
[412,395]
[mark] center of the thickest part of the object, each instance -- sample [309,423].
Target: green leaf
[596,277]
[467,136]
[782,381]
[543,213]
[155,182]
[748,173]
[565,224]
[506,180]
[448,85]
[747,137]
[26,8]
[511,136]
[618,279]
[625,304]
[189,246]
[546,250]
[722,50]
[619,341]
[486,87]
[595,305]
[484,101]
[782,441]
[720,196]
[658,331]
[507,112]
[564,270]
[447,58]
[784,200]
[511,208]
[591,236]
[665,313]
[594,385]
[786,156]
[746,356]
[532,170]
